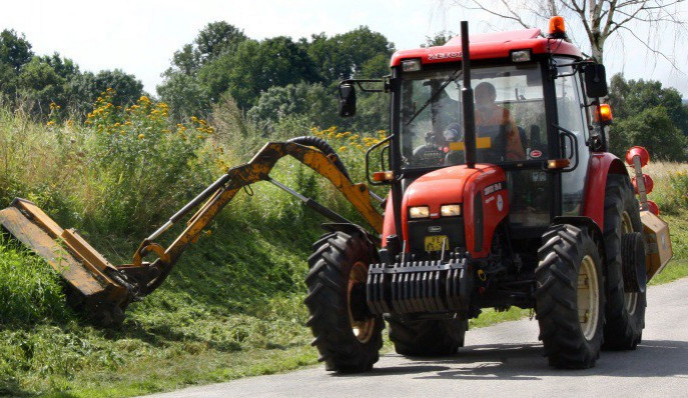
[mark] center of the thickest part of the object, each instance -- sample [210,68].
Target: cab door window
[571,116]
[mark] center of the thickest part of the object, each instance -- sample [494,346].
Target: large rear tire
[347,336]
[570,297]
[625,310]
[432,337]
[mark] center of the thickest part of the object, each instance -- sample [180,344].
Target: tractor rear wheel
[570,297]
[432,337]
[625,310]
[347,335]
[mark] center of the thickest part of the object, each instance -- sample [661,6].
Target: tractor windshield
[509,113]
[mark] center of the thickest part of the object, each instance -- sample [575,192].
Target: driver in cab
[489,114]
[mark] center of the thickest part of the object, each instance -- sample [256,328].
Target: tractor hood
[447,186]
[481,193]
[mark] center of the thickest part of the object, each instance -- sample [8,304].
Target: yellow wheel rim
[588,297]
[630,299]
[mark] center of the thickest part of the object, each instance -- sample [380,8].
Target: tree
[15,50]
[187,61]
[212,41]
[64,67]
[185,95]
[631,97]
[216,38]
[40,85]
[345,55]
[85,88]
[599,19]
[183,91]
[128,89]
[256,66]
[312,100]
[439,39]
[653,129]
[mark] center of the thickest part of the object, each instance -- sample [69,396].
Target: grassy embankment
[232,307]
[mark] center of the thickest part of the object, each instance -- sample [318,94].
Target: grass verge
[233,305]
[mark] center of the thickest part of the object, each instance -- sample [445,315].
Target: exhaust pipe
[467,97]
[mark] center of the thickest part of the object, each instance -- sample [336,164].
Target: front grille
[419,286]
[452,227]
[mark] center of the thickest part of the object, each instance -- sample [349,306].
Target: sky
[140,36]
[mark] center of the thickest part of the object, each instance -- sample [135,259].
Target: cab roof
[490,45]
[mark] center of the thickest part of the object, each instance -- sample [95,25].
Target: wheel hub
[588,297]
[362,323]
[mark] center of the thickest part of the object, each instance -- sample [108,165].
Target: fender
[388,225]
[350,228]
[587,223]
[599,167]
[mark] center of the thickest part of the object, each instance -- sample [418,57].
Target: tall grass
[116,178]
[671,185]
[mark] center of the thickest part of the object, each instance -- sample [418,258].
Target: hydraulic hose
[324,147]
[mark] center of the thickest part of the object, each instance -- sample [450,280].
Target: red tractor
[502,193]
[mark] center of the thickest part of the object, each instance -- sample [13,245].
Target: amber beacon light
[557,29]
[604,114]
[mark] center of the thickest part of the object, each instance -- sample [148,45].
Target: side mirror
[347,99]
[595,81]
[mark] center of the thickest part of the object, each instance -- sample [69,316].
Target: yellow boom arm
[106,290]
[224,189]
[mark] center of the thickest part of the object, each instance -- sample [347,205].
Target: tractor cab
[535,106]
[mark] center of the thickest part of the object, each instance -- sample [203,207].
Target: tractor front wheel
[570,297]
[347,335]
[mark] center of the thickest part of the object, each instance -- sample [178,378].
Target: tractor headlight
[419,212]
[450,210]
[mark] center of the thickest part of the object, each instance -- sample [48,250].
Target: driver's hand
[453,133]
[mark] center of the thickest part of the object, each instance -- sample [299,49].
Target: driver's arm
[514,147]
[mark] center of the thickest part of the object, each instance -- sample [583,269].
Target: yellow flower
[50,123]
[144,99]
[141,136]
[342,149]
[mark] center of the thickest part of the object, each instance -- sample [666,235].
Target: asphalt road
[502,360]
